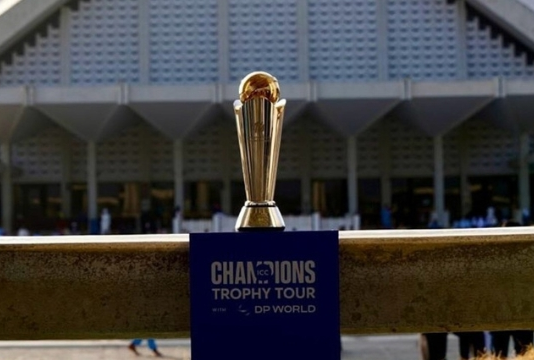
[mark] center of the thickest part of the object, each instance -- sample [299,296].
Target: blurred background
[402,113]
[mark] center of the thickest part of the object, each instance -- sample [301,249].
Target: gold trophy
[259,114]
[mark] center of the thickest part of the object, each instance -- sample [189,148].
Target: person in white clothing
[105,222]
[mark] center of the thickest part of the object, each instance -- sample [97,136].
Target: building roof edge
[512,15]
[22,18]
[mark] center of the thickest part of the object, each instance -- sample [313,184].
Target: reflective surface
[259,130]
[259,217]
[259,84]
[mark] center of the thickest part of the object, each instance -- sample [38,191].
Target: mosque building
[423,106]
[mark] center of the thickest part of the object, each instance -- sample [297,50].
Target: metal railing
[101,287]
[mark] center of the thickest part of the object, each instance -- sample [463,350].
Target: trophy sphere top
[259,84]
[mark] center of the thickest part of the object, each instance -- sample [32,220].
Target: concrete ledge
[172,93]
[459,89]
[13,96]
[361,90]
[518,88]
[114,287]
[66,95]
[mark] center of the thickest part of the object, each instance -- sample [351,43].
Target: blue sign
[265,295]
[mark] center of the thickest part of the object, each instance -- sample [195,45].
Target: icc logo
[263,272]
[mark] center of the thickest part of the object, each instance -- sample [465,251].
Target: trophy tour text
[280,280]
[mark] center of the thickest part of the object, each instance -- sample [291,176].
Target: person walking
[151,345]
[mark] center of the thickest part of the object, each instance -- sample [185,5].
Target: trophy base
[260,217]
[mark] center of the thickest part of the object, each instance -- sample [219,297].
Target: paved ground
[398,347]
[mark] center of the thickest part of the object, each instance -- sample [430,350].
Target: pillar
[385,164]
[305,172]
[305,194]
[318,198]
[7,188]
[524,181]
[145,145]
[465,190]
[439,183]
[66,171]
[178,168]
[228,143]
[203,197]
[352,177]
[226,196]
[92,190]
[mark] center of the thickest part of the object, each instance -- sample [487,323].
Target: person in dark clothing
[434,346]
[474,340]
[501,339]
[522,339]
